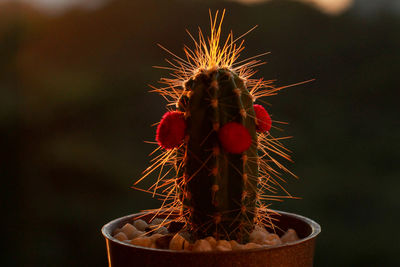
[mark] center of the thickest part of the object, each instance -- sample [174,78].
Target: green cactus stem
[219,188]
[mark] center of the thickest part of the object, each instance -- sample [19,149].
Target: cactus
[219,189]
[212,141]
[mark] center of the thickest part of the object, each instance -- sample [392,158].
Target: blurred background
[75,112]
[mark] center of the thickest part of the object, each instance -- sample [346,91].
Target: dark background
[74,112]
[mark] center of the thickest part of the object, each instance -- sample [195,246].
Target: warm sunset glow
[332,6]
[328,6]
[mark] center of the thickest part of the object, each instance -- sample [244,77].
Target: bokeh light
[328,6]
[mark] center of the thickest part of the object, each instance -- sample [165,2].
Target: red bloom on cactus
[263,121]
[171,130]
[234,137]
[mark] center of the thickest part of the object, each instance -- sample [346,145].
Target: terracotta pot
[299,253]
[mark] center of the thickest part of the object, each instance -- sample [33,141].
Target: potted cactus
[217,171]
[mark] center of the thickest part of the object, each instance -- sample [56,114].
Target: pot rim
[315,230]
